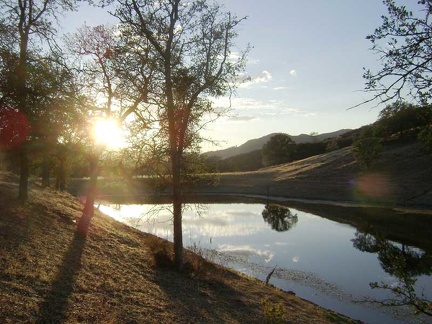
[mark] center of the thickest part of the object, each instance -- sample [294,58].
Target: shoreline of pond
[405,225]
[411,224]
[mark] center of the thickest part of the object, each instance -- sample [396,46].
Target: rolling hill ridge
[257,143]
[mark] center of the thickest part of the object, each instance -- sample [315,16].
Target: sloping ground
[402,176]
[115,274]
[257,143]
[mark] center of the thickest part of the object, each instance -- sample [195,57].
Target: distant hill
[257,144]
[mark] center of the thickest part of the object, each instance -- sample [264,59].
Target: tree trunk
[45,172]
[22,99]
[61,176]
[88,210]
[24,173]
[177,212]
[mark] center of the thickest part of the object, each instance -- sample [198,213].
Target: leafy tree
[24,22]
[54,94]
[51,96]
[401,118]
[279,217]
[367,150]
[279,149]
[332,145]
[425,137]
[403,43]
[187,52]
[305,150]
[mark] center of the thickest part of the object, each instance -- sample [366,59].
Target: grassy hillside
[115,274]
[401,177]
[257,143]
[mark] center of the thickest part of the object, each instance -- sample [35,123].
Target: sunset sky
[306,66]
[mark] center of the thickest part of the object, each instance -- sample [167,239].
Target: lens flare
[14,127]
[374,187]
[108,133]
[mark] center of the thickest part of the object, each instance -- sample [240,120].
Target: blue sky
[306,67]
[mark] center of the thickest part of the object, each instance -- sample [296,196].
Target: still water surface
[320,260]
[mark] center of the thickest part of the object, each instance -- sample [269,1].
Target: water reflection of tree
[403,262]
[279,217]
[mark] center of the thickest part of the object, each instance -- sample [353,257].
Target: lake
[328,263]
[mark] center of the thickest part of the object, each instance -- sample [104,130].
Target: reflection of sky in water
[314,246]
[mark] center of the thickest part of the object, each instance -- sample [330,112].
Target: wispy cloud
[253,61]
[237,103]
[264,77]
[242,118]
[310,114]
[248,109]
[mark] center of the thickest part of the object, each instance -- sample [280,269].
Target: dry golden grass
[115,274]
[402,176]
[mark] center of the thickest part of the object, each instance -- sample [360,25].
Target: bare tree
[189,53]
[92,48]
[114,73]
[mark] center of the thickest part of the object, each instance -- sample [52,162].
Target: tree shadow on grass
[53,308]
[207,298]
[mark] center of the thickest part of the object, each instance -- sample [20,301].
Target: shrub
[425,137]
[367,150]
[273,313]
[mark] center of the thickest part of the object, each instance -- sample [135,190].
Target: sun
[109,133]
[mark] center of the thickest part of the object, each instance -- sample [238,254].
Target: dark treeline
[254,160]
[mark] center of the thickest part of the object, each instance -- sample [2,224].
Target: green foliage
[279,149]
[305,150]
[402,120]
[243,162]
[332,145]
[425,136]
[273,313]
[279,217]
[367,150]
[254,160]
[402,43]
